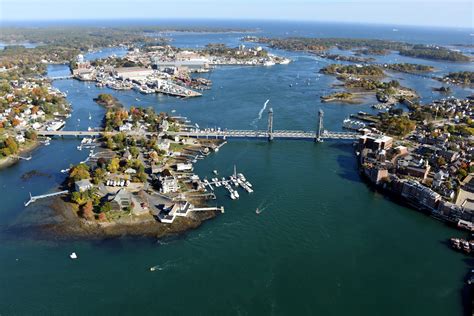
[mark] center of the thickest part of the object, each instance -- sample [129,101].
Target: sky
[446,13]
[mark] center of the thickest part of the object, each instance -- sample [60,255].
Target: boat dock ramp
[38,197]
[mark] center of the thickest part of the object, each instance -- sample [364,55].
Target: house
[169,184]
[127,155]
[83,185]
[127,127]
[121,200]
[164,126]
[20,138]
[163,144]
[439,178]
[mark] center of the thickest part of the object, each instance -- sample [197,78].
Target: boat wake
[163,267]
[260,113]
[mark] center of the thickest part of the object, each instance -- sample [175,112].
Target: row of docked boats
[231,184]
[466,246]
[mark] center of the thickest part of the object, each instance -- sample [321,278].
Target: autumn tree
[88,211]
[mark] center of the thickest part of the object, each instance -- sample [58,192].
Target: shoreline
[10,161]
[62,223]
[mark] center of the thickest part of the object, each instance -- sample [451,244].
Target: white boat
[236,194]
[258,211]
[73,256]
[232,196]
[215,172]
[353,124]
[90,116]
[269,63]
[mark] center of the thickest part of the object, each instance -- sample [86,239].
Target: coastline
[63,223]
[10,161]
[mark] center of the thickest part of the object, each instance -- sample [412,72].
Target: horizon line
[184,19]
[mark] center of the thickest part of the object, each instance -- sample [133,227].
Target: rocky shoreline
[60,222]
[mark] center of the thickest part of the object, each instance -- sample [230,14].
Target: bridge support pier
[319,129]
[270,125]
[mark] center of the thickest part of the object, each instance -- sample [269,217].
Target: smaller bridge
[61,77]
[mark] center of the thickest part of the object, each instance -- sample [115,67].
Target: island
[361,46]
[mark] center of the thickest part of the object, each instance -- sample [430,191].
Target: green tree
[114,165]
[79,172]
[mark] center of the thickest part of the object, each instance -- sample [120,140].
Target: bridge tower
[270,124]
[319,127]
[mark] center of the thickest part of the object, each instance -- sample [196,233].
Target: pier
[21,157]
[38,197]
[205,209]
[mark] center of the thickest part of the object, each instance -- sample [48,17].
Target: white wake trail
[260,113]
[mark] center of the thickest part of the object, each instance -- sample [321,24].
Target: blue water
[325,243]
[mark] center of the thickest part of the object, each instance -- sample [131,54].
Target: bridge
[61,77]
[319,135]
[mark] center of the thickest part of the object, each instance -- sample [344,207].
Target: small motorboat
[73,256]
[258,211]
[215,172]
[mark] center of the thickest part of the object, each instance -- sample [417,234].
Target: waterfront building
[133,73]
[376,173]
[375,142]
[184,167]
[420,195]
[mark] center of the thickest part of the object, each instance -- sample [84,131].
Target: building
[169,184]
[83,185]
[420,195]
[184,167]
[376,173]
[121,200]
[465,198]
[163,144]
[375,142]
[133,73]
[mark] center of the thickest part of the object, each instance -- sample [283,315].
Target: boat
[236,194]
[90,116]
[353,124]
[232,196]
[269,63]
[153,268]
[73,256]
[258,211]
[215,172]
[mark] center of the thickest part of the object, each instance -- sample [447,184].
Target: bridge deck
[217,134]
